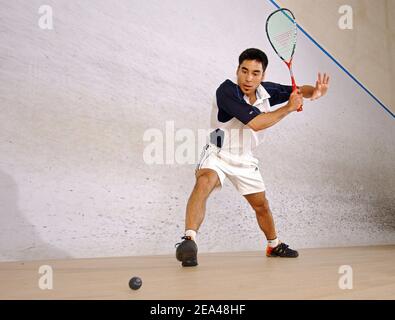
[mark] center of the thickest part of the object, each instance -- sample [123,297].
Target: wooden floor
[247,275]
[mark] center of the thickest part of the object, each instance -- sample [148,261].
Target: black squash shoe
[282,250]
[187,252]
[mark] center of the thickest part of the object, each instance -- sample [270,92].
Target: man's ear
[263,76]
[237,70]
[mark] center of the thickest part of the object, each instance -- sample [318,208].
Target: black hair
[254,54]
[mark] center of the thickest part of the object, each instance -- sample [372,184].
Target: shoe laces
[282,247]
[184,238]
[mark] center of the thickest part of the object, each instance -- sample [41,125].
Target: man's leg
[264,216]
[206,181]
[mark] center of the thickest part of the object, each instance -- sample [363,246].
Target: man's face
[249,76]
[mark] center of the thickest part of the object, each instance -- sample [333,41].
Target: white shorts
[243,172]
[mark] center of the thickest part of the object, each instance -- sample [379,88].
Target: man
[241,113]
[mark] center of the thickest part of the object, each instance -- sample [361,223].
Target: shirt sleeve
[230,100]
[278,93]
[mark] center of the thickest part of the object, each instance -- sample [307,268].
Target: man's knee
[262,206]
[205,183]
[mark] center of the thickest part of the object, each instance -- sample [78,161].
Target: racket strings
[284,44]
[284,38]
[282,31]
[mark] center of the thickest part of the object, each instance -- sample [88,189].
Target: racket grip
[294,88]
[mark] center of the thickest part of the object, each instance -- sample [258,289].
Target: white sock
[191,233]
[273,243]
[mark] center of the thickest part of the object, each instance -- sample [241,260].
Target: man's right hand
[295,101]
[266,120]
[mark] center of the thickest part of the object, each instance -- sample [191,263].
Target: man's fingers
[322,79]
[325,79]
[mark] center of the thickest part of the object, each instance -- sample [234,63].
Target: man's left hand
[321,87]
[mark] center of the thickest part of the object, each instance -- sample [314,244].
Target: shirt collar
[261,95]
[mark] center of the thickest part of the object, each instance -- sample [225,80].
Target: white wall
[76,101]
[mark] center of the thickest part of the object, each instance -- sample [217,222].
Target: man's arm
[307,91]
[320,89]
[266,120]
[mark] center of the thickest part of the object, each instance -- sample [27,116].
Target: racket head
[281,31]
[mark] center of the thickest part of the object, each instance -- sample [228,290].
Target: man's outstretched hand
[321,87]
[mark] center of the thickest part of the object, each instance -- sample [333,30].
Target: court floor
[232,275]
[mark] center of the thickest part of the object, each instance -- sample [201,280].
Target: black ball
[135,283]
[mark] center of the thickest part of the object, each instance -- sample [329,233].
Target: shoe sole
[189,260]
[189,263]
[269,256]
